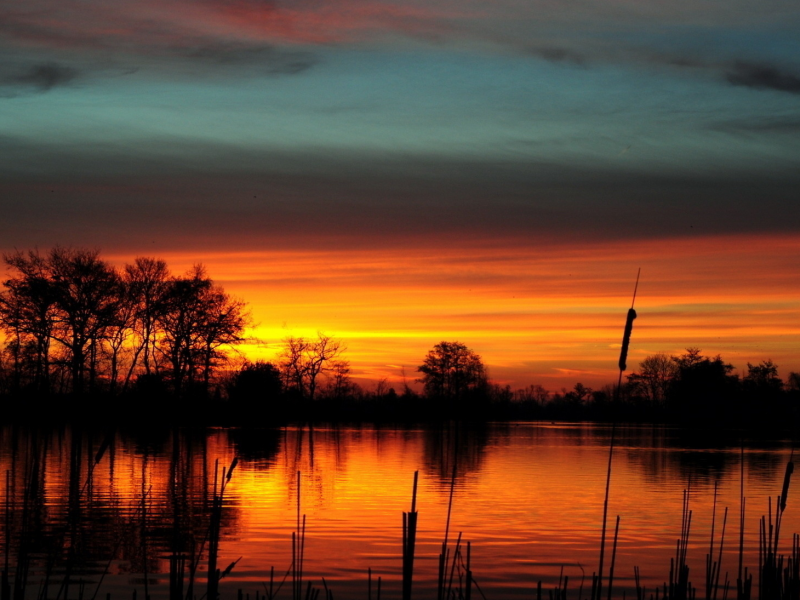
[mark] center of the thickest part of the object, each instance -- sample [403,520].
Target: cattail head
[626,340]
[232,467]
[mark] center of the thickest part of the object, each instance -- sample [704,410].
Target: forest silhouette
[85,339]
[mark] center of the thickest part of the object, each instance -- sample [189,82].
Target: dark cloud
[39,77]
[273,199]
[265,58]
[763,77]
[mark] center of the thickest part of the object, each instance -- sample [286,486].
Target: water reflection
[93,511]
[454,451]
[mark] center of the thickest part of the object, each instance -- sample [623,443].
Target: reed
[409,541]
[214,575]
[298,548]
[444,554]
[714,567]
[744,580]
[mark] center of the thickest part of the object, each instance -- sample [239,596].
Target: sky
[399,173]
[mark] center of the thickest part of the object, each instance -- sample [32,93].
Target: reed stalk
[714,567]
[613,559]
[597,581]
[744,580]
[298,548]
[214,574]
[409,541]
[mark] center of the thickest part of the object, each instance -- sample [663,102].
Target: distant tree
[793,382]
[382,388]
[451,371]
[534,393]
[764,394]
[704,390]
[580,393]
[339,384]
[255,385]
[690,358]
[763,378]
[655,375]
[303,361]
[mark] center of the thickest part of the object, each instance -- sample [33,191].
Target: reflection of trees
[76,503]
[256,445]
[454,446]
[698,456]
[319,454]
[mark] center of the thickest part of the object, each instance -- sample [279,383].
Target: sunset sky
[398,173]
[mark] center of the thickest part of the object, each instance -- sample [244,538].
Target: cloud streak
[763,77]
[41,77]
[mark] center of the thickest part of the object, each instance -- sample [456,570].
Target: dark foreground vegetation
[84,339]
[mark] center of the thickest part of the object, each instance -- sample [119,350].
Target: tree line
[76,327]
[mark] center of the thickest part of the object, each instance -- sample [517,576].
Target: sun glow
[536,315]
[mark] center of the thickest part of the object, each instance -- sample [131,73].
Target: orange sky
[551,315]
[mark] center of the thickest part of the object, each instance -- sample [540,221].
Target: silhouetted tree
[763,392]
[793,382]
[86,292]
[198,319]
[763,378]
[255,389]
[339,384]
[73,323]
[27,314]
[704,389]
[452,373]
[119,332]
[302,361]
[147,285]
[655,375]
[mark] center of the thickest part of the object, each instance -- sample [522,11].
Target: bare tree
[656,373]
[71,319]
[302,361]
[198,319]
[118,334]
[147,284]
[86,293]
[340,385]
[27,314]
[222,324]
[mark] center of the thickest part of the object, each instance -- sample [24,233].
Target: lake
[527,496]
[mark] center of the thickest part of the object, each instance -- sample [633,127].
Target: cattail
[229,568]
[626,340]
[786,478]
[233,466]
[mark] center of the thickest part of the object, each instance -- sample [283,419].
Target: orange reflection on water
[527,496]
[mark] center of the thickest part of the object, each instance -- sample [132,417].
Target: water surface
[527,496]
